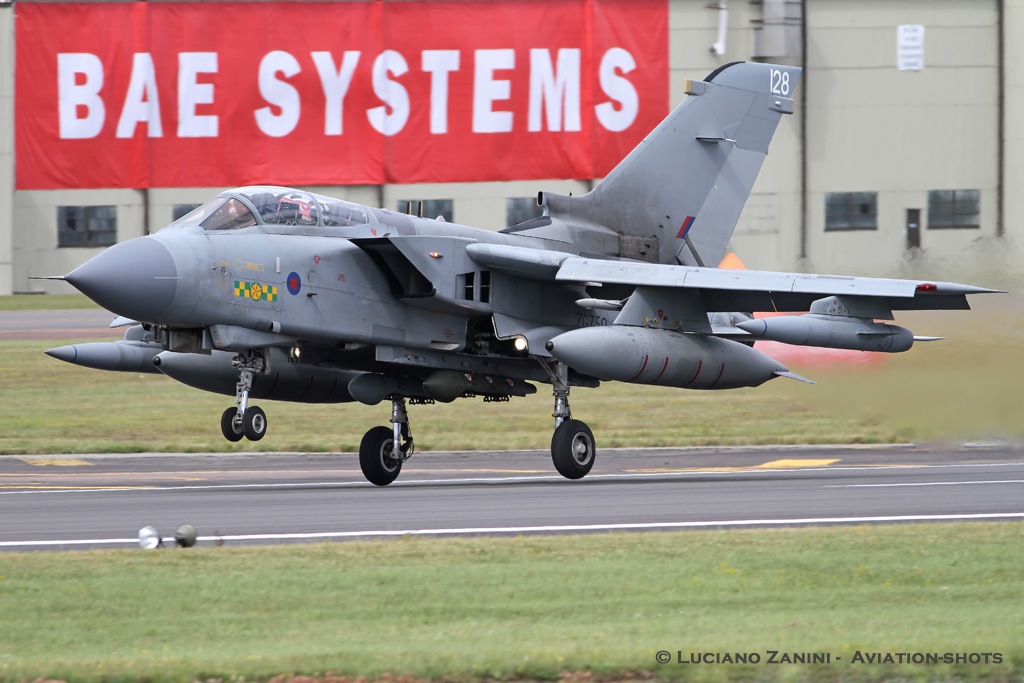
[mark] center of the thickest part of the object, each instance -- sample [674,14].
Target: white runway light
[149,538]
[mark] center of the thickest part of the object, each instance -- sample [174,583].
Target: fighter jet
[277,293]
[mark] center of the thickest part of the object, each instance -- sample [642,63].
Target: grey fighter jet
[277,293]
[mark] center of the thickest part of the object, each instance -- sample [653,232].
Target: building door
[913,229]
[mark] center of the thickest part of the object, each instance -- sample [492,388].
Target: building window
[182,210]
[86,226]
[521,209]
[432,208]
[851,211]
[953,209]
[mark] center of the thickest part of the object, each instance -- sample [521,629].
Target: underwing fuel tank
[644,356]
[833,332]
[286,381]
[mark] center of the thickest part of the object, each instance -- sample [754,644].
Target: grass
[526,607]
[55,407]
[45,302]
[963,388]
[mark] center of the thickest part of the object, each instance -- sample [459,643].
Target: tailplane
[677,196]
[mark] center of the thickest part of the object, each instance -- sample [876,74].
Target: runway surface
[83,325]
[50,502]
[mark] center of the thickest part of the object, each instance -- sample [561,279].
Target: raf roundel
[294,283]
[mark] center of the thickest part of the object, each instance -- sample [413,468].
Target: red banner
[309,93]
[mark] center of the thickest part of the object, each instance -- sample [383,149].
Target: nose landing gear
[244,420]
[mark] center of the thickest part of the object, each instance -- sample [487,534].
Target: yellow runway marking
[772,465]
[57,462]
[782,464]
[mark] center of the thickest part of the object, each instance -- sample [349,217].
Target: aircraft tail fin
[677,196]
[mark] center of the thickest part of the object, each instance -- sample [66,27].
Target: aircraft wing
[728,290]
[751,290]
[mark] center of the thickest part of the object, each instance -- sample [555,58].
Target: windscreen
[232,214]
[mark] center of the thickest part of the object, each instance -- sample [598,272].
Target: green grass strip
[957,389]
[524,607]
[55,407]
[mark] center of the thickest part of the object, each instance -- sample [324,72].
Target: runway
[90,324]
[52,502]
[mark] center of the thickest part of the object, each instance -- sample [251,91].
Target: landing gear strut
[572,444]
[244,420]
[379,458]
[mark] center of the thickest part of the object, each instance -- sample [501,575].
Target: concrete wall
[868,127]
[874,128]
[6,147]
[1009,258]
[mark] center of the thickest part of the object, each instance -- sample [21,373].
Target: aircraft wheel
[572,449]
[255,423]
[231,430]
[377,456]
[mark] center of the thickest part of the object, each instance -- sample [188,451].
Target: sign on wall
[220,94]
[910,47]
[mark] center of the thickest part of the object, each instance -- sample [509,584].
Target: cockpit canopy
[267,205]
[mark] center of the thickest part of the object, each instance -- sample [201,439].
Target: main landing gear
[379,459]
[244,420]
[572,444]
[383,450]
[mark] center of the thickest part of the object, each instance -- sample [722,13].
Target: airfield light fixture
[149,538]
[185,536]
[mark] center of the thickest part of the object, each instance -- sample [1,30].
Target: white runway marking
[483,531]
[924,483]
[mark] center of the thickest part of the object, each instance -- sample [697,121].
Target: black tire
[376,461]
[255,423]
[231,430]
[572,449]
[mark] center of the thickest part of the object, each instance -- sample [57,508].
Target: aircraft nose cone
[136,279]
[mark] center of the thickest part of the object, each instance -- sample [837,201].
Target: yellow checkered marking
[255,291]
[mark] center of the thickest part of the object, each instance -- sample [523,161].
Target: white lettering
[142,103]
[278,93]
[619,114]
[393,94]
[72,95]
[553,90]
[335,82]
[192,93]
[439,63]
[487,89]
